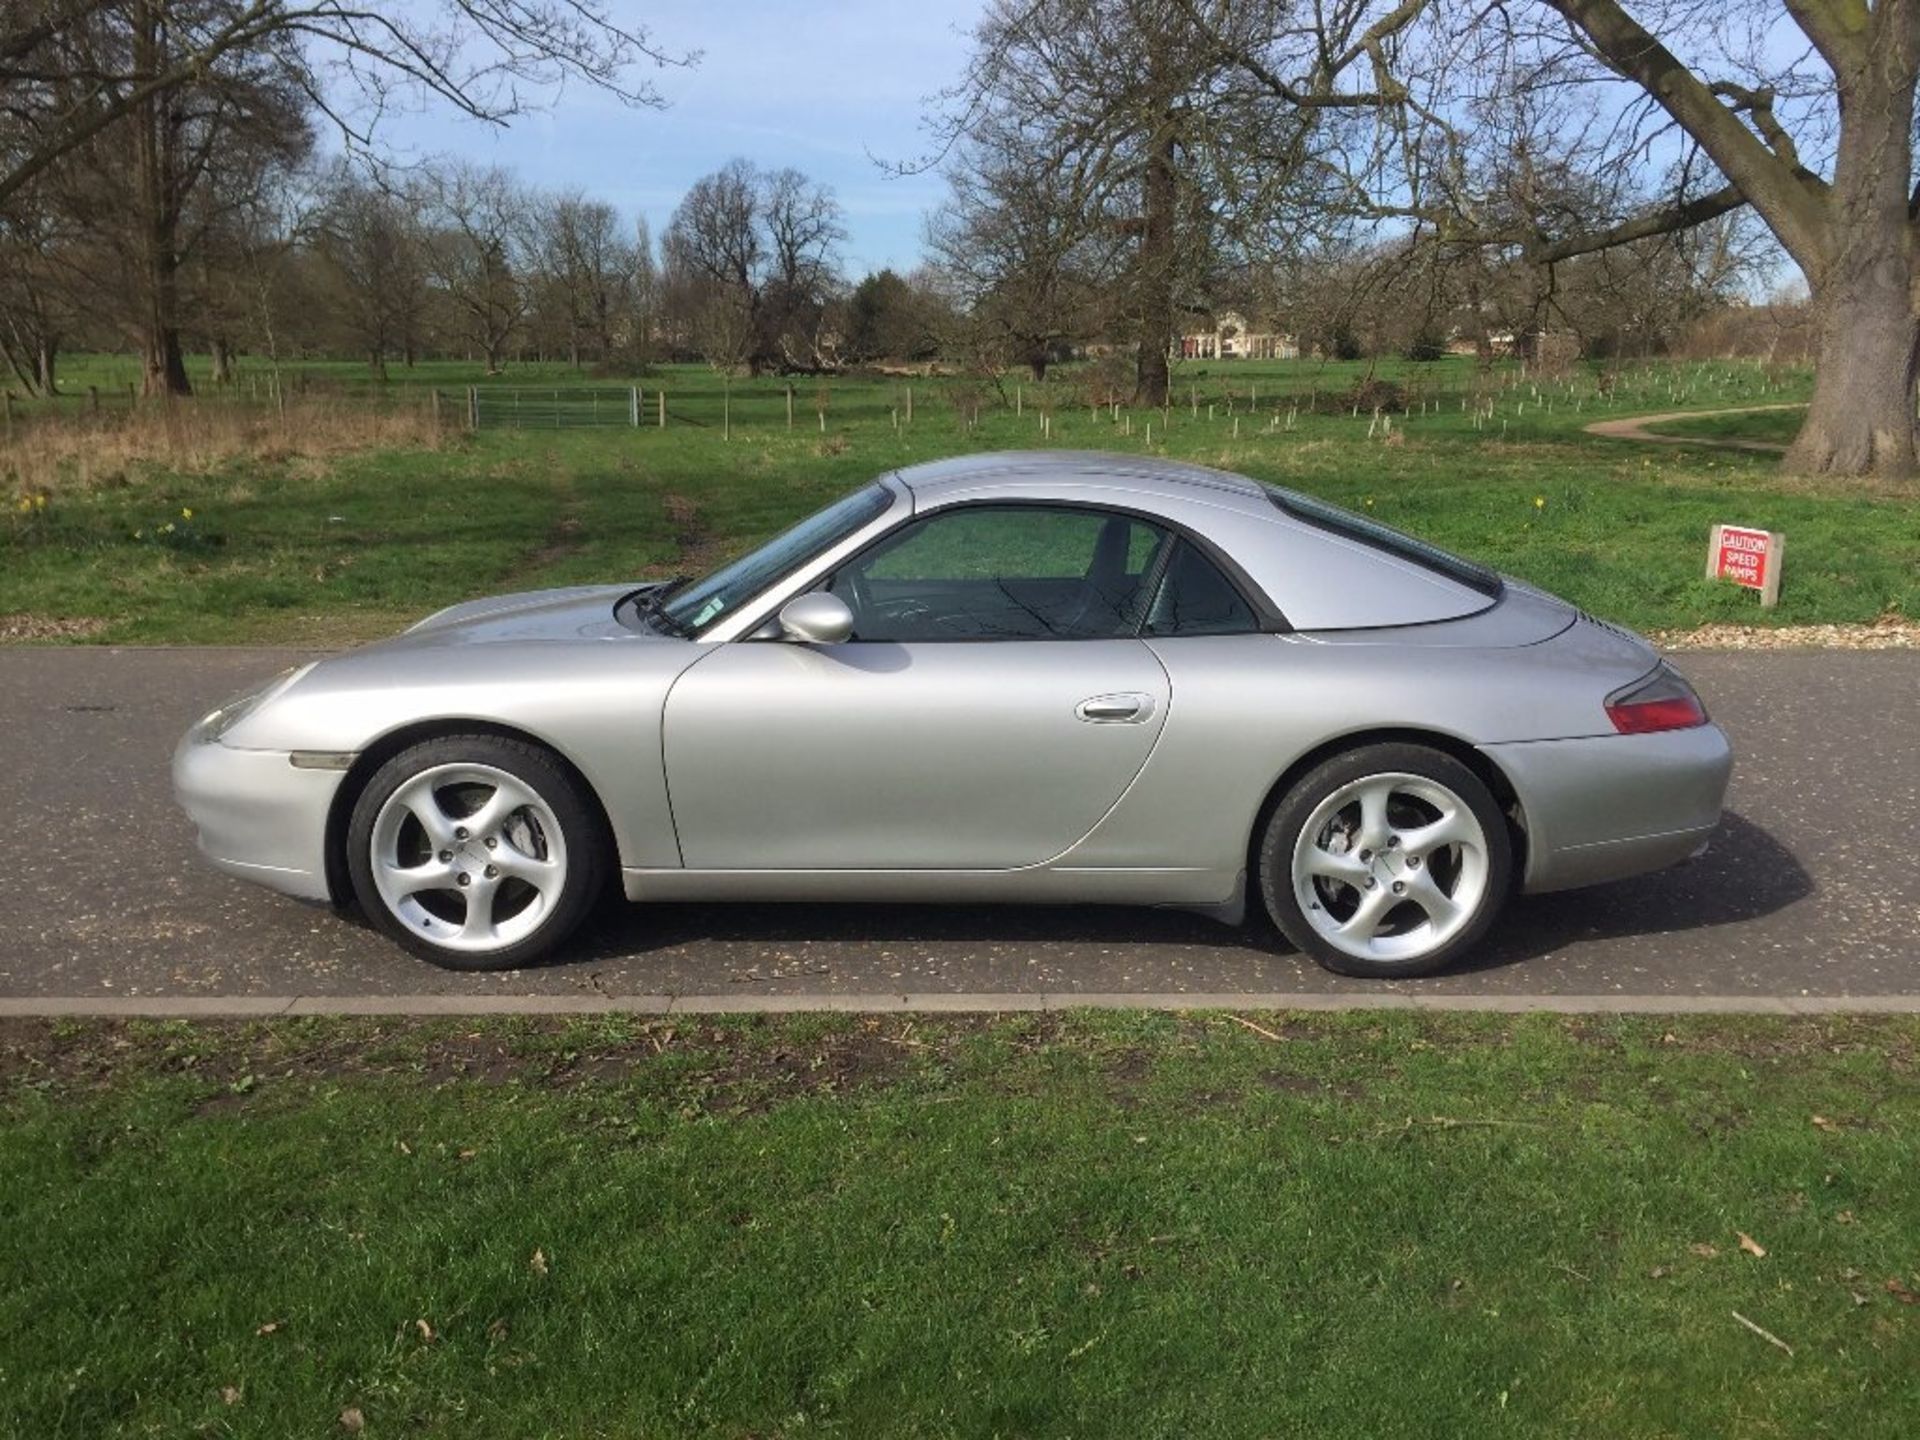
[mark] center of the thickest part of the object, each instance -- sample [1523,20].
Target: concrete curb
[260,1007]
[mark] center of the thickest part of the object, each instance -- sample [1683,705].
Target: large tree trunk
[44,354]
[221,353]
[1153,279]
[1861,421]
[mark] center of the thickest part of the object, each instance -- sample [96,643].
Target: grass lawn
[1092,1225]
[1776,427]
[292,546]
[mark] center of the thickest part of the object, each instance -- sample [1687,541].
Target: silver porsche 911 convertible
[1014,677]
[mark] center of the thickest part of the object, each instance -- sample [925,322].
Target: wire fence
[1249,401]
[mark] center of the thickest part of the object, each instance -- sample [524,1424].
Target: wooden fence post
[434,405]
[93,398]
[660,400]
[789,407]
[909,404]
[473,407]
[633,408]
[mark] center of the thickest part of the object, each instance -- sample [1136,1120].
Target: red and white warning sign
[1747,557]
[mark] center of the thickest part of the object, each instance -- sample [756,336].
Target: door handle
[1127,709]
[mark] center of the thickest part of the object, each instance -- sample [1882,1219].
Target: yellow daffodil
[186,514]
[1539,502]
[39,502]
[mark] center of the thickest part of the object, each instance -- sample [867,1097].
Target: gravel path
[1634,427]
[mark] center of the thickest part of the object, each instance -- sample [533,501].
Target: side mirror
[816,618]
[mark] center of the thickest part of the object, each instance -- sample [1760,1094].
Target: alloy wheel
[1391,867]
[468,857]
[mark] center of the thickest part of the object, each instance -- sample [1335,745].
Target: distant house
[1233,338]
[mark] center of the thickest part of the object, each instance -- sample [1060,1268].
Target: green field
[1121,1225]
[293,540]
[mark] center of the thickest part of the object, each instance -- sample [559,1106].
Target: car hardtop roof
[1016,469]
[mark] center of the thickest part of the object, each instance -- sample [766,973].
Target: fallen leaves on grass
[352,1421]
[230,1394]
[269,1327]
[1752,1246]
[1704,1250]
[1821,1122]
[538,1264]
[1898,1289]
[426,1331]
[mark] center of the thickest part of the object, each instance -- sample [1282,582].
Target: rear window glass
[1331,518]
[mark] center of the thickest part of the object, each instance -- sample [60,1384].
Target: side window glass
[1005,572]
[1196,599]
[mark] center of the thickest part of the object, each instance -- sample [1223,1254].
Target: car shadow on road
[1746,875]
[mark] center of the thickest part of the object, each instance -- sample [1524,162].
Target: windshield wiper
[651,604]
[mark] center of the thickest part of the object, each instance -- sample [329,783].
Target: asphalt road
[1812,888]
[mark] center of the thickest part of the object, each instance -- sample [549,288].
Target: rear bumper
[1610,806]
[258,816]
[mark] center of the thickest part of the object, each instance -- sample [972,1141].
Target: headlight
[223,718]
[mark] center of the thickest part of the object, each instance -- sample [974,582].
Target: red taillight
[1663,701]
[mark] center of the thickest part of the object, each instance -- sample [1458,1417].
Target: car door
[992,705]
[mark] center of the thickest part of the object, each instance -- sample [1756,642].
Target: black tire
[582,844]
[1296,809]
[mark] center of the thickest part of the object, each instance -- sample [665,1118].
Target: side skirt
[1203,889]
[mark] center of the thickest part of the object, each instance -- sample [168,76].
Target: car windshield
[696,606]
[1323,516]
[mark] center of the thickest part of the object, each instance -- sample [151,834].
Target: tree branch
[1770,183]
[1837,28]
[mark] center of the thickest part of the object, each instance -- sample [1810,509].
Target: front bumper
[259,816]
[1610,806]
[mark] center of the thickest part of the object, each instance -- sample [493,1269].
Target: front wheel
[476,852]
[1386,862]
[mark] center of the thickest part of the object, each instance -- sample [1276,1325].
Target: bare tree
[372,240]
[38,308]
[1019,253]
[475,256]
[768,242]
[1804,111]
[637,328]
[1144,123]
[804,233]
[585,271]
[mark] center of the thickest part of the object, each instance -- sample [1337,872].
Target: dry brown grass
[51,453]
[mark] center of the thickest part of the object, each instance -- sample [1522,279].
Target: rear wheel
[476,852]
[1387,862]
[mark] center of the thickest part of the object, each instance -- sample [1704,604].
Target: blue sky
[818,87]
